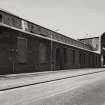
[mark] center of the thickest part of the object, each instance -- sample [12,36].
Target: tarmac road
[88,94]
[92,94]
[82,90]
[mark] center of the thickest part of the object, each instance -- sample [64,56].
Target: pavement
[25,79]
[81,90]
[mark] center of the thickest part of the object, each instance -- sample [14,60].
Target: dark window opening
[1,18]
[80,58]
[89,59]
[65,55]
[59,63]
[84,59]
[96,60]
[93,60]
[58,57]
[103,60]
[73,56]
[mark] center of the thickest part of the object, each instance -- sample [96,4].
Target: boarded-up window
[22,49]
[42,53]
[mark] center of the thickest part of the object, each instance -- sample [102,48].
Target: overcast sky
[75,18]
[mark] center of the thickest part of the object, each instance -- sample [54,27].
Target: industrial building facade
[28,47]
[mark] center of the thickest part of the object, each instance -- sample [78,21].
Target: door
[6,58]
[22,50]
[58,59]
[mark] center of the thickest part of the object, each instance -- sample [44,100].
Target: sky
[73,18]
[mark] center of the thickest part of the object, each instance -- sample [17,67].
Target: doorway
[59,64]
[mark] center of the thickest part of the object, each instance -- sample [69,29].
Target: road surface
[82,90]
[90,94]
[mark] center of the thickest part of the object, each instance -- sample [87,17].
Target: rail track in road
[30,75]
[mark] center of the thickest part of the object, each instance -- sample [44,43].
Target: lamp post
[51,59]
[51,52]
